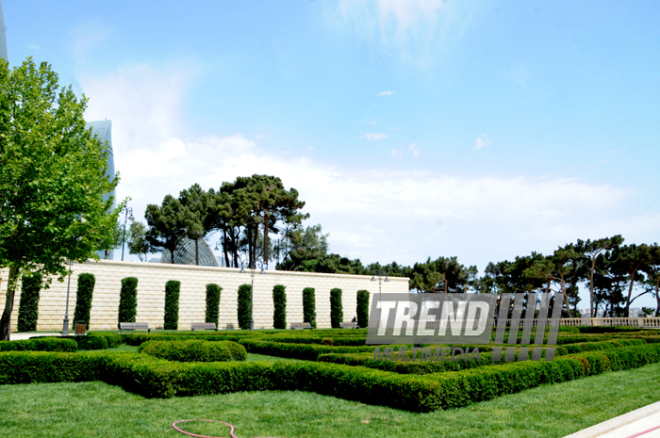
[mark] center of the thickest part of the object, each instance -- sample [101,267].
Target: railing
[597,322]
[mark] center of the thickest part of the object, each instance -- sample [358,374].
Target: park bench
[351,325]
[203,326]
[134,326]
[300,325]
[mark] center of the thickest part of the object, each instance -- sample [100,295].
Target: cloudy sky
[412,128]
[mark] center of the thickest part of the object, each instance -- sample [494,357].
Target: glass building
[184,254]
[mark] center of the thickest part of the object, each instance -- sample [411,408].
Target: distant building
[3,37]
[185,254]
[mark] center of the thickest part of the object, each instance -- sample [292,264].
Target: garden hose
[231,431]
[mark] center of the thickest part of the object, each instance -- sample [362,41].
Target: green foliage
[113,339]
[309,306]
[28,310]
[194,351]
[336,310]
[363,308]
[137,242]
[90,342]
[172,289]
[84,294]
[213,303]
[279,303]
[128,299]
[297,351]
[40,344]
[244,306]
[166,225]
[198,217]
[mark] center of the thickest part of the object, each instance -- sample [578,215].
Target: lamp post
[259,265]
[65,325]
[380,273]
[128,210]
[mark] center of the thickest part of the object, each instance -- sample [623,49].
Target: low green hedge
[153,377]
[607,329]
[40,344]
[195,351]
[89,342]
[297,351]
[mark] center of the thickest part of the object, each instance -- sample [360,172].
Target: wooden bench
[351,325]
[300,325]
[134,326]
[203,326]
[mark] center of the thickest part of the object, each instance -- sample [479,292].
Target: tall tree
[137,241]
[166,224]
[557,267]
[633,259]
[591,250]
[652,270]
[52,179]
[198,215]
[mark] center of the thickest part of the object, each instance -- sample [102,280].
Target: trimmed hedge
[172,289]
[28,308]
[309,306]
[153,377]
[213,303]
[128,300]
[336,310]
[244,306]
[90,342]
[279,304]
[113,339]
[195,351]
[363,308]
[296,351]
[40,344]
[607,329]
[84,294]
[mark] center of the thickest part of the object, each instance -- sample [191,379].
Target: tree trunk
[5,322]
[266,239]
[224,247]
[234,243]
[254,245]
[657,297]
[592,312]
[197,251]
[632,281]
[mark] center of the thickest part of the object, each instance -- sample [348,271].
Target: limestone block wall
[192,302]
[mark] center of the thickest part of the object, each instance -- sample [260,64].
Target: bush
[188,351]
[89,342]
[84,294]
[244,306]
[279,303]
[309,306]
[297,351]
[213,303]
[607,329]
[172,289]
[363,308]
[336,310]
[113,339]
[128,300]
[40,344]
[28,308]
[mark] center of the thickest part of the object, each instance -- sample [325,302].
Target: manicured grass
[252,357]
[93,409]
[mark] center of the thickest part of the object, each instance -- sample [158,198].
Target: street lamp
[259,265]
[380,273]
[65,325]
[129,210]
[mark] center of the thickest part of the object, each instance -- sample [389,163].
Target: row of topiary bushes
[153,377]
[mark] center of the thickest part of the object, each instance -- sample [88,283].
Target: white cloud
[386,93]
[375,137]
[481,141]
[375,214]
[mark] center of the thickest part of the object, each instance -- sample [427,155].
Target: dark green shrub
[128,300]
[172,289]
[213,303]
[113,339]
[28,309]
[244,306]
[188,351]
[279,303]
[363,308]
[40,344]
[336,310]
[84,298]
[297,351]
[238,352]
[309,306]
[89,342]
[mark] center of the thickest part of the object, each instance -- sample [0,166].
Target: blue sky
[412,128]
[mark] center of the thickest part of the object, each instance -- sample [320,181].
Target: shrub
[40,344]
[336,311]
[213,303]
[188,351]
[128,300]
[363,308]
[238,352]
[84,294]
[297,351]
[279,303]
[113,339]
[172,289]
[244,306]
[28,309]
[309,306]
[89,342]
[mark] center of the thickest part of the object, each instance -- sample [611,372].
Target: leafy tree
[633,260]
[137,243]
[166,224]
[52,180]
[591,250]
[303,245]
[652,270]
[198,214]
[445,274]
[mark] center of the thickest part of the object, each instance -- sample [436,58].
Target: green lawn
[95,409]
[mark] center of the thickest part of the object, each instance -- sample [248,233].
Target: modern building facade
[3,37]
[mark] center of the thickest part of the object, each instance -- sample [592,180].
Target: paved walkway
[19,336]
[642,423]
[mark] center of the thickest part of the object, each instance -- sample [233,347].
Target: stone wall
[192,302]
